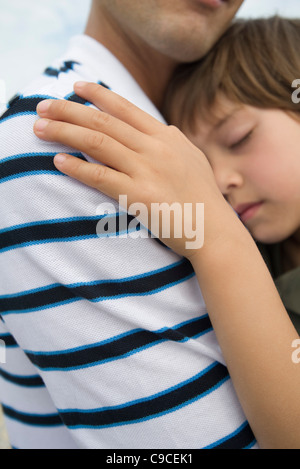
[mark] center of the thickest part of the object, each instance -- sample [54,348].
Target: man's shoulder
[55,82]
[17,121]
[22,153]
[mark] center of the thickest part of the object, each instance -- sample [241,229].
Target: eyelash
[242,141]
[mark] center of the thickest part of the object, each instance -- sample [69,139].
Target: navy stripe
[51,72]
[24,106]
[27,164]
[66,230]
[9,340]
[24,381]
[13,100]
[103,84]
[51,420]
[97,291]
[242,438]
[77,99]
[118,347]
[150,407]
[54,72]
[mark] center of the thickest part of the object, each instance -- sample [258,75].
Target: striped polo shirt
[107,339]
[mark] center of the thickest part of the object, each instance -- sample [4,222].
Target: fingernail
[41,124]
[60,159]
[43,106]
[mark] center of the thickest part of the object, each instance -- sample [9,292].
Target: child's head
[236,105]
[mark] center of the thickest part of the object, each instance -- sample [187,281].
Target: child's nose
[228,179]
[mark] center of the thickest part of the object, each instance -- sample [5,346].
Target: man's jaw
[212,4]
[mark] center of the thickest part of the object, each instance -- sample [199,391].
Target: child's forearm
[253,330]
[151,162]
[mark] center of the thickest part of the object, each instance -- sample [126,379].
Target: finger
[97,176]
[119,107]
[84,116]
[95,144]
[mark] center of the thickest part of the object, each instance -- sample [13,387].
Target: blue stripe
[118,347]
[50,306]
[114,339]
[108,360]
[102,362]
[251,445]
[49,241]
[97,300]
[32,381]
[96,283]
[71,239]
[62,221]
[26,155]
[18,172]
[65,240]
[228,437]
[56,220]
[87,232]
[148,399]
[25,113]
[85,347]
[25,377]
[160,414]
[31,173]
[36,420]
[93,283]
[69,95]
[196,336]
[9,341]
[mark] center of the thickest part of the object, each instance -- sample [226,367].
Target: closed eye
[240,142]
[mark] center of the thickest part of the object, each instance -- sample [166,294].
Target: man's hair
[254,63]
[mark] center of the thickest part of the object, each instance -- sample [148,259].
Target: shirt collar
[104,66]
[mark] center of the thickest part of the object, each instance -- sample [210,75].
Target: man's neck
[150,69]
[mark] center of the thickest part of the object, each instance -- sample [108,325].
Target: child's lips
[247,211]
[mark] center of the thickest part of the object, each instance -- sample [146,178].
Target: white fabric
[136,380]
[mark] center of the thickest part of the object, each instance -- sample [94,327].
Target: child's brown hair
[254,63]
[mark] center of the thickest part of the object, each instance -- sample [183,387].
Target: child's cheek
[270,179]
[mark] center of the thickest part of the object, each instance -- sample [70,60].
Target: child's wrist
[223,233]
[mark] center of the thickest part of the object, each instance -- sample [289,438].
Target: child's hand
[145,160]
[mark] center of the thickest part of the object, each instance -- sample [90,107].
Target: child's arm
[150,162]
[254,333]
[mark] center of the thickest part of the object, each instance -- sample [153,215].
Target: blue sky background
[33,32]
